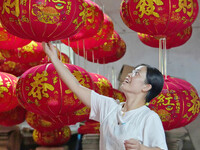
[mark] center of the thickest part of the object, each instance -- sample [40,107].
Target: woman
[124,126]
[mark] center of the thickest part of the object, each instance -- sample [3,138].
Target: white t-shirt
[141,124]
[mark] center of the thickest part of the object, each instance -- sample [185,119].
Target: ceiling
[112,9]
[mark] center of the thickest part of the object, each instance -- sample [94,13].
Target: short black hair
[156,79]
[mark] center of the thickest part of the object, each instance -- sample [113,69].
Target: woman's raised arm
[67,77]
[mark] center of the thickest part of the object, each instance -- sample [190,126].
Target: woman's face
[135,81]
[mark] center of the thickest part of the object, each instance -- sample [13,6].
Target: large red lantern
[101,37]
[177,105]
[52,138]
[9,41]
[42,20]
[94,22]
[174,40]
[159,18]
[8,98]
[40,90]
[12,117]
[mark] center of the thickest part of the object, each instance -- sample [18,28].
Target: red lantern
[41,20]
[177,105]
[160,18]
[175,40]
[103,35]
[40,90]
[41,123]
[9,41]
[19,60]
[52,138]
[94,22]
[12,117]
[8,98]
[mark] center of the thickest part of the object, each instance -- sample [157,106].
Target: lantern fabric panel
[174,40]
[52,138]
[8,98]
[56,19]
[93,23]
[40,90]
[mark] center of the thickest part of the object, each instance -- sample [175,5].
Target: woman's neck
[133,102]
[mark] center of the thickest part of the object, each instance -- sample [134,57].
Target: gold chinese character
[183,5]
[196,103]
[147,7]
[7,5]
[2,88]
[39,87]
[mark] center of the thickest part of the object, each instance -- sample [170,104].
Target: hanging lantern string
[60,50]
[78,53]
[84,54]
[163,56]
[160,56]
[69,49]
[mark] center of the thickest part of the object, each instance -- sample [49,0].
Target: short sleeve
[101,106]
[154,135]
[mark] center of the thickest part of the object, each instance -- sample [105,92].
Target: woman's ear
[147,87]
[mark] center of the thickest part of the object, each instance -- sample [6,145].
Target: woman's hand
[132,144]
[50,50]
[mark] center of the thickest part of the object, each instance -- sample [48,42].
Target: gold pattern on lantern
[164,115]
[39,87]
[195,103]
[29,47]
[66,131]
[82,14]
[80,78]
[45,123]
[185,7]
[83,111]
[147,7]
[69,7]
[8,84]
[7,5]
[10,64]
[69,92]
[68,101]
[46,14]
[2,88]
[55,80]
[3,36]
[161,100]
